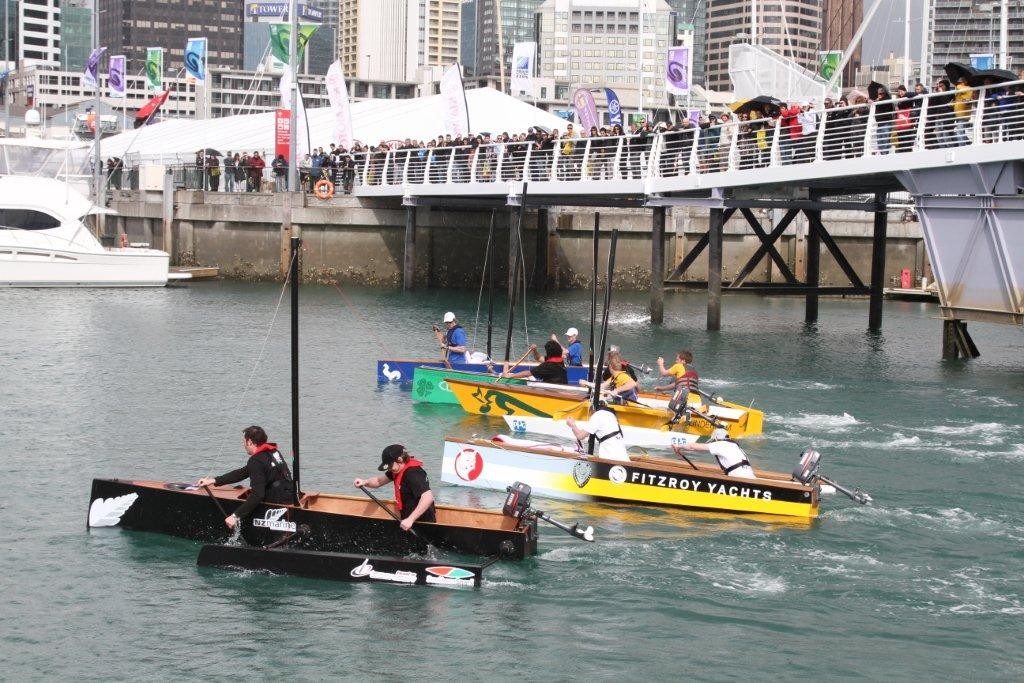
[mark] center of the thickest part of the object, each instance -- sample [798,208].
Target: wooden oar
[440,340]
[215,501]
[516,364]
[388,510]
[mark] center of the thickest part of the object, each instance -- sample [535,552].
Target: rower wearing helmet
[727,452]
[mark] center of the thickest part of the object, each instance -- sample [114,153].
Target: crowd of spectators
[598,154]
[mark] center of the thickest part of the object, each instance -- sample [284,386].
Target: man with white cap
[452,340]
[727,452]
[573,353]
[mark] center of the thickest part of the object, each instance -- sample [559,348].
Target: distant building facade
[840,21]
[962,28]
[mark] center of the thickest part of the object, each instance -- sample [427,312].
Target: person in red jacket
[256,166]
[792,131]
[413,497]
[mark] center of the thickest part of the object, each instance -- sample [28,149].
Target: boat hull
[633,436]
[501,400]
[652,481]
[430,385]
[340,566]
[330,523]
[401,371]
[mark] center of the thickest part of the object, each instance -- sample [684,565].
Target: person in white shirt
[603,428]
[729,455]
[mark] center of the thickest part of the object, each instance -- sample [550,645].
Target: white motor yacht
[44,242]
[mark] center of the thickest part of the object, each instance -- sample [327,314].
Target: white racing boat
[44,242]
[642,437]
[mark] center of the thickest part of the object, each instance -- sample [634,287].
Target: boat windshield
[26,219]
[44,162]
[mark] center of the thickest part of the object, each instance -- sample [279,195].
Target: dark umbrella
[762,103]
[997,75]
[957,70]
[210,151]
[874,87]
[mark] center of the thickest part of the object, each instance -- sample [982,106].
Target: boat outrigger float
[321,535]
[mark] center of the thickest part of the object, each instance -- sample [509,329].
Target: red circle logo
[469,464]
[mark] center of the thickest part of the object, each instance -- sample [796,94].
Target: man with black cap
[727,452]
[413,497]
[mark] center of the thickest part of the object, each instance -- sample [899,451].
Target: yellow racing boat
[561,401]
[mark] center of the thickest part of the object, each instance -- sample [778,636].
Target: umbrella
[852,96]
[762,103]
[874,87]
[979,77]
[210,151]
[957,70]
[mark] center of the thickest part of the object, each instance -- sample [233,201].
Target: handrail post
[979,109]
[451,164]
[920,142]
[384,180]
[501,162]
[472,165]
[694,161]
[526,161]
[618,157]
[584,175]
[556,152]
[819,143]
[428,168]
[734,145]
[871,131]
[775,153]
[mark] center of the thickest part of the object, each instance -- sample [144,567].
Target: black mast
[604,323]
[593,297]
[514,275]
[490,282]
[294,275]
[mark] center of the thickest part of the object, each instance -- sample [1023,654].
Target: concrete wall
[358,240]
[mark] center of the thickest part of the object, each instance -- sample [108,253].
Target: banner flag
[92,67]
[195,60]
[586,109]
[155,68]
[282,131]
[677,70]
[828,62]
[524,56]
[337,93]
[456,112]
[148,111]
[280,40]
[614,108]
[115,75]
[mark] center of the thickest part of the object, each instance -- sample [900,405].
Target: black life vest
[594,440]
[280,485]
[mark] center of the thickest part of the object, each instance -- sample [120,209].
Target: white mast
[1004,34]
[906,44]
[926,60]
[753,22]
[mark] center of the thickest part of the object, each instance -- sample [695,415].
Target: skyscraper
[792,29]
[517,25]
[467,38]
[962,28]
[840,20]
[372,39]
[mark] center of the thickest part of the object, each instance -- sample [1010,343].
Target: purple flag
[586,109]
[677,70]
[115,76]
[92,67]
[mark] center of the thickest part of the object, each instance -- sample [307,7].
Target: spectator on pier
[256,166]
[903,122]
[837,129]
[230,168]
[963,105]
[280,169]
[939,125]
[413,498]
[1017,109]
[808,121]
[213,172]
[306,172]
[789,137]
[884,108]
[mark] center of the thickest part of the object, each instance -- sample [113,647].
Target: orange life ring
[324,189]
[124,240]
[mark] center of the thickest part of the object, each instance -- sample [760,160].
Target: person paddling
[452,340]
[727,452]
[413,498]
[270,480]
[552,370]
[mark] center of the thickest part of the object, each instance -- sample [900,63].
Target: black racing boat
[321,535]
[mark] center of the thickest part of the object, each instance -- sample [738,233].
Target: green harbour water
[924,584]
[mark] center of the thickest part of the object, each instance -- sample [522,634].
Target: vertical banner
[456,112]
[828,62]
[92,67]
[115,76]
[195,61]
[524,56]
[280,40]
[677,70]
[155,68]
[586,109]
[282,131]
[614,108]
[337,94]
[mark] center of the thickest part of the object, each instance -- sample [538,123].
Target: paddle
[440,340]
[388,510]
[516,364]
[216,502]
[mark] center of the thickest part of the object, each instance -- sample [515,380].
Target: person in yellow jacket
[963,104]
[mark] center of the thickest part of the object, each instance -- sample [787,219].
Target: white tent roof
[372,121]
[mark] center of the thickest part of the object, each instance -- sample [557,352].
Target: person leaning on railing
[939,131]
[963,105]
[904,120]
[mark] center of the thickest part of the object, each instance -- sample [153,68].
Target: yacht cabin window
[26,219]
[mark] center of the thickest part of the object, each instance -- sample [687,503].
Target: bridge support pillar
[812,264]
[716,226]
[542,256]
[409,254]
[658,266]
[878,261]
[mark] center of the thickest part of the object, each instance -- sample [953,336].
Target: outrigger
[321,535]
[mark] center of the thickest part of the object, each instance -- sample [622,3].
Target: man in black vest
[270,480]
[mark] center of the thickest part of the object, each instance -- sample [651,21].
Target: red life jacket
[411,462]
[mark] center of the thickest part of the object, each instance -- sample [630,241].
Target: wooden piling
[812,263]
[658,266]
[878,261]
[716,226]
[409,252]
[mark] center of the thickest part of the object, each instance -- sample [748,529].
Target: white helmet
[719,435]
